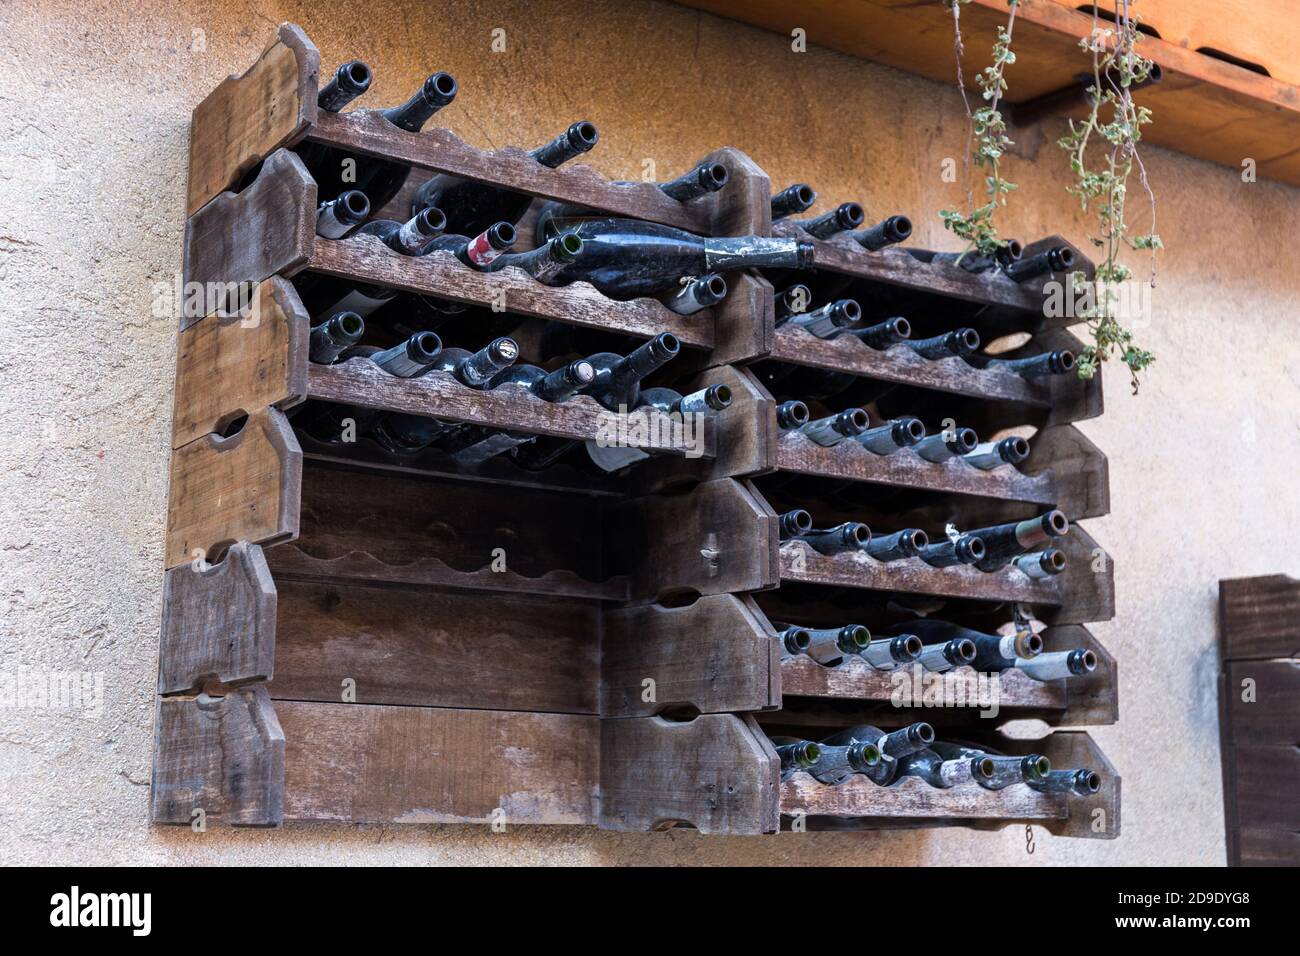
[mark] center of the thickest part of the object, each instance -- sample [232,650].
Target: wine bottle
[791,301]
[827,645]
[797,198]
[944,656]
[833,429]
[907,543]
[964,549]
[890,437]
[796,754]
[958,342]
[410,238]
[695,295]
[884,334]
[404,434]
[794,640]
[838,762]
[381,180]
[791,416]
[707,177]
[892,746]
[480,252]
[847,537]
[329,339]
[886,654]
[325,163]
[1056,362]
[885,233]
[993,652]
[993,454]
[933,769]
[628,258]
[407,359]
[477,369]
[706,401]
[617,385]
[1059,259]
[979,262]
[1006,541]
[828,321]
[794,524]
[1058,665]
[349,81]
[1041,564]
[471,206]
[338,217]
[1081,782]
[544,262]
[950,443]
[843,217]
[995,771]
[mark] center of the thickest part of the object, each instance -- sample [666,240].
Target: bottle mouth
[922,732]
[975,548]
[1064,360]
[900,228]
[350,325]
[969,339]
[850,215]
[912,647]
[857,419]
[1089,780]
[859,534]
[424,347]
[1055,523]
[849,309]
[582,372]
[1054,562]
[913,430]
[440,88]
[801,638]
[983,767]
[803,194]
[797,412]
[812,752]
[869,754]
[1031,646]
[716,287]
[859,635]
[965,650]
[721,396]
[1013,250]
[714,175]
[355,77]
[1085,661]
[568,244]
[431,221]
[902,327]
[504,350]
[1038,766]
[1062,258]
[502,235]
[965,440]
[1017,449]
[917,538]
[355,204]
[583,135]
[799,521]
[667,344]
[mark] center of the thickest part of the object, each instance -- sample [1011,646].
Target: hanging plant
[1117,68]
[986,138]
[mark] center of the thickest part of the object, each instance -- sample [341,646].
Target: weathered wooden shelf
[855,679]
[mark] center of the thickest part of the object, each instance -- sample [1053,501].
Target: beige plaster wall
[94,112]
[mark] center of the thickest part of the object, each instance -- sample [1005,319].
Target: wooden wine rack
[353,636]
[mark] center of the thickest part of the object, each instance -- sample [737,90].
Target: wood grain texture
[247,117]
[359,763]
[227,366]
[1265,711]
[218,622]
[1092,700]
[1259,618]
[715,655]
[223,756]
[1077,469]
[432,648]
[1087,585]
[911,797]
[242,488]
[716,773]
[264,230]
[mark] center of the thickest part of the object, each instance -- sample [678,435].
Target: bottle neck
[574,141]
[437,91]
[753,252]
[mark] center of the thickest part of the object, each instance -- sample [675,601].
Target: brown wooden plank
[265,230]
[1078,470]
[715,655]
[1087,586]
[218,622]
[1267,848]
[716,773]
[366,259]
[1267,780]
[436,648]
[1092,700]
[248,116]
[1259,618]
[228,366]
[241,488]
[218,759]
[358,763]
[1265,711]
[859,797]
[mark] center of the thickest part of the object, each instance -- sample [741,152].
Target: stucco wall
[94,113]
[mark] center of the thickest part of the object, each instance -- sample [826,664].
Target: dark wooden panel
[1259,618]
[1266,848]
[1267,781]
[1273,716]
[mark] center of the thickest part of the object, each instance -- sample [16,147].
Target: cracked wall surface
[94,119]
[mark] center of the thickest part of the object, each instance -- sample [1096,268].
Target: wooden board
[358,763]
[1259,618]
[264,230]
[230,365]
[241,488]
[713,656]
[1092,700]
[218,622]
[218,759]
[716,773]
[858,797]
[248,116]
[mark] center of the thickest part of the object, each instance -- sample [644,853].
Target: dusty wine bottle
[949,443]
[381,180]
[829,644]
[471,206]
[1041,564]
[477,369]
[889,231]
[618,378]
[964,549]
[907,543]
[349,81]
[791,415]
[1056,362]
[890,437]
[340,331]
[628,258]
[697,294]
[957,342]
[994,771]
[978,262]
[401,433]
[933,769]
[891,747]
[946,655]
[843,217]
[838,762]
[847,537]
[707,177]
[887,653]
[828,321]
[884,334]
[408,359]
[1058,665]
[479,252]
[1006,541]
[338,217]
[796,754]
[410,238]
[1059,259]
[797,198]
[794,524]
[992,454]
[544,262]
[993,652]
[1080,782]
[833,429]
[325,163]
[706,401]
